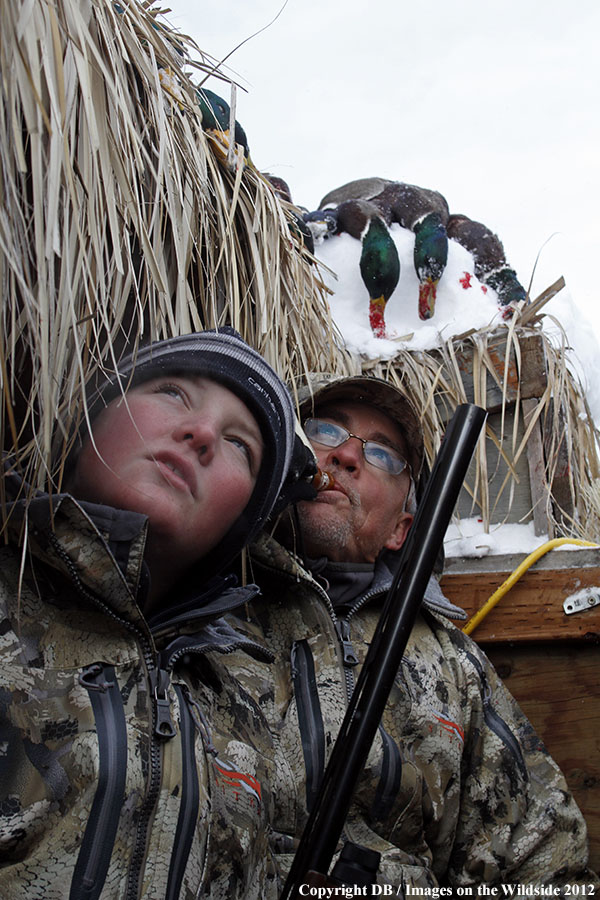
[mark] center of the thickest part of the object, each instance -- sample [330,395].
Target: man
[458,790]
[131,762]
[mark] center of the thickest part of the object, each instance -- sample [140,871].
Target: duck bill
[376,310]
[221,146]
[427,297]
[220,141]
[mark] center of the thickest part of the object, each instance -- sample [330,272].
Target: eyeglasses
[330,435]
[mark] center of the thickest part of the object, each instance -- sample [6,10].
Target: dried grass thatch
[123,221]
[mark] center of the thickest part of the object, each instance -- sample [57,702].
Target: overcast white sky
[496,105]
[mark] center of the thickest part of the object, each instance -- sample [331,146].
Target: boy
[131,763]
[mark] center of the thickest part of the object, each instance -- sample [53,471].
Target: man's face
[185,451]
[364,512]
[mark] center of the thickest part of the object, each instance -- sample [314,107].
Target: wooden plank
[559,467]
[523,381]
[533,376]
[537,472]
[530,312]
[557,686]
[507,482]
[506,505]
[533,609]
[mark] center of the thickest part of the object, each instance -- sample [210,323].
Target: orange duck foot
[376,309]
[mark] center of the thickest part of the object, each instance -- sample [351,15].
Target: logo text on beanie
[266,395]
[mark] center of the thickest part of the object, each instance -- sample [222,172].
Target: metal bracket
[584,599]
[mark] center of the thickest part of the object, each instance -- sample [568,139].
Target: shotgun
[363,715]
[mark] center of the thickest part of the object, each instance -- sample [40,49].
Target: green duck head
[508,287]
[380,270]
[430,258]
[215,116]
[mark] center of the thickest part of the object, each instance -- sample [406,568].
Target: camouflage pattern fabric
[129,767]
[458,789]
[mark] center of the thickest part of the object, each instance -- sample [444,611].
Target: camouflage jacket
[132,765]
[458,789]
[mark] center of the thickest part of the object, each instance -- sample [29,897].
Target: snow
[490,104]
[468,538]
[583,349]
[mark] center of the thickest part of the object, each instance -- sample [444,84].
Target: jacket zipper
[391,765]
[342,629]
[101,829]
[391,768]
[496,723]
[190,798]
[390,779]
[162,728]
[308,705]
[230,648]
[159,725]
[310,719]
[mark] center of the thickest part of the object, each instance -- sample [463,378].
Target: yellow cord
[514,577]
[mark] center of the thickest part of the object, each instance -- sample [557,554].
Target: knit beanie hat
[223,356]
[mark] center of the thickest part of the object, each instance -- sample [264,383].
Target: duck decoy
[216,115]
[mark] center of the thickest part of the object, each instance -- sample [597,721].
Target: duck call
[322,481]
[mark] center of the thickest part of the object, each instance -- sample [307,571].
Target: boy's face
[183,450]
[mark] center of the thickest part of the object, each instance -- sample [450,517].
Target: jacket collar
[101,551]
[271,555]
[98,548]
